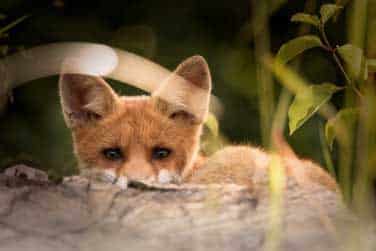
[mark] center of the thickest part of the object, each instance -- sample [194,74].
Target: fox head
[146,138]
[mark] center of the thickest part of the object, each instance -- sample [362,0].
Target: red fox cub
[156,138]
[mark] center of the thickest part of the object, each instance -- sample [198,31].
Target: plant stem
[338,62]
[263,74]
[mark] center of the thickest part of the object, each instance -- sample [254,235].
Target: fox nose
[138,171]
[110,176]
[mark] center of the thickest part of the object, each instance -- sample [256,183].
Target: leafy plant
[349,58]
[310,98]
[308,102]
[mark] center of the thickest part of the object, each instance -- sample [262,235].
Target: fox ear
[85,98]
[186,93]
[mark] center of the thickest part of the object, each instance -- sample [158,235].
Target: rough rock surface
[83,215]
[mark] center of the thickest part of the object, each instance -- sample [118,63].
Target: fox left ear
[85,99]
[186,93]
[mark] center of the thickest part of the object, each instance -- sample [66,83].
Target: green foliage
[371,65]
[296,46]
[327,11]
[339,125]
[211,140]
[354,112]
[353,58]
[308,102]
[288,78]
[326,152]
[306,18]
[212,124]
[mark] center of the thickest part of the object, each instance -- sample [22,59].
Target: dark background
[165,31]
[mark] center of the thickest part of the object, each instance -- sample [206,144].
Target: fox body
[156,138]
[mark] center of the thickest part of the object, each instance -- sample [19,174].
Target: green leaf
[296,46]
[371,63]
[352,56]
[340,124]
[308,102]
[328,10]
[306,18]
[212,124]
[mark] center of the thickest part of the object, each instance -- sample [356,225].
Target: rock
[80,214]
[26,172]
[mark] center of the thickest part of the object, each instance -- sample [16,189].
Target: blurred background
[231,35]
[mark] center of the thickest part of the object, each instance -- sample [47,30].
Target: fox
[156,138]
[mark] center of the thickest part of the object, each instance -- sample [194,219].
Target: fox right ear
[85,98]
[186,92]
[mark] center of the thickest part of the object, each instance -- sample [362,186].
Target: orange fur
[100,119]
[136,127]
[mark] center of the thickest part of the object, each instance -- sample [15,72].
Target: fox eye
[159,153]
[112,153]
